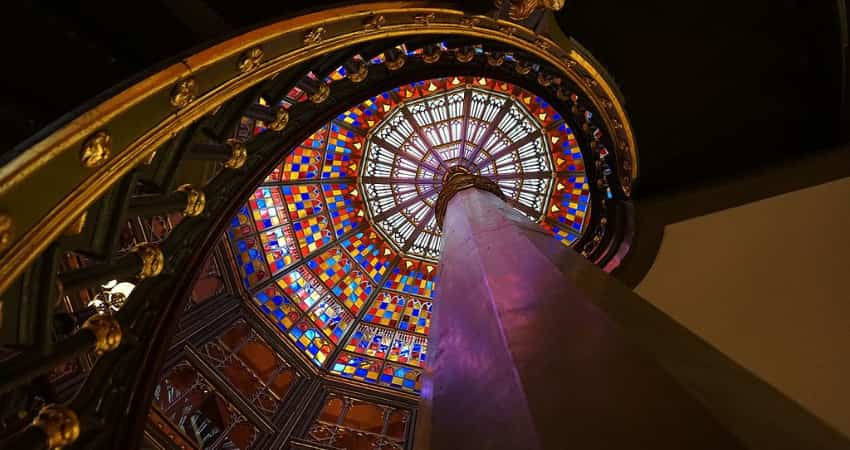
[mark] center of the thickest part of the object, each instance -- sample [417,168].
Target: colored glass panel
[267,206]
[311,341]
[371,252]
[408,349]
[343,153]
[302,287]
[401,377]
[336,75]
[277,307]
[330,266]
[251,260]
[413,277]
[354,290]
[387,309]
[370,340]
[416,317]
[357,367]
[570,202]
[361,116]
[303,163]
[303,200]
[287,219]
[565,149]
[332,318]
[241,224]
[312,233]
[275,175]
[280,248]
[344,207]
[561,234]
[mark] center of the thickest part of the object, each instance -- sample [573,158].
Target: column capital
[458,179]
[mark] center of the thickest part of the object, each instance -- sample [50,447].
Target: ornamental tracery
[339,246]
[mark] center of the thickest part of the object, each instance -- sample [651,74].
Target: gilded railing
[71,168]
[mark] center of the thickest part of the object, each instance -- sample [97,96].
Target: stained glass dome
[339,246]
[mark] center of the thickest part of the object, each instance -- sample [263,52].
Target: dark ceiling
[715,87]
[712,87]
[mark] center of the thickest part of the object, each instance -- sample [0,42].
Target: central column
[521,359]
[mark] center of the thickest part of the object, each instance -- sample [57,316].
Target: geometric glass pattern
[339,246]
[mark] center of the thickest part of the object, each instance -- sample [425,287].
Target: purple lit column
[522,358]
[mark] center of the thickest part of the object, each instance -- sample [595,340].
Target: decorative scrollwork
[106,330]
[470,21]
[315,36]
[425,19]
[184,92]
[510,31]
[522,9]
[374,22]
[6,229]
[59,423]
[542,44]
[195,200]
[251,59]
[96,150]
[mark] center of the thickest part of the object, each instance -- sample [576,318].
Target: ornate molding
[77,225]
[374,22]
[523,9]
[425,19]
[184,92]
[315,36]
[250,60]
[7,227]
[96,150]
[151,127]
[459,179]
[470,21]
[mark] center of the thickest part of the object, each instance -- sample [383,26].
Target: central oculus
[409,151]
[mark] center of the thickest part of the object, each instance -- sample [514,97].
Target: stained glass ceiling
[339,246]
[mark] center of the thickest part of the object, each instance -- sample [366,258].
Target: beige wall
[768,283]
